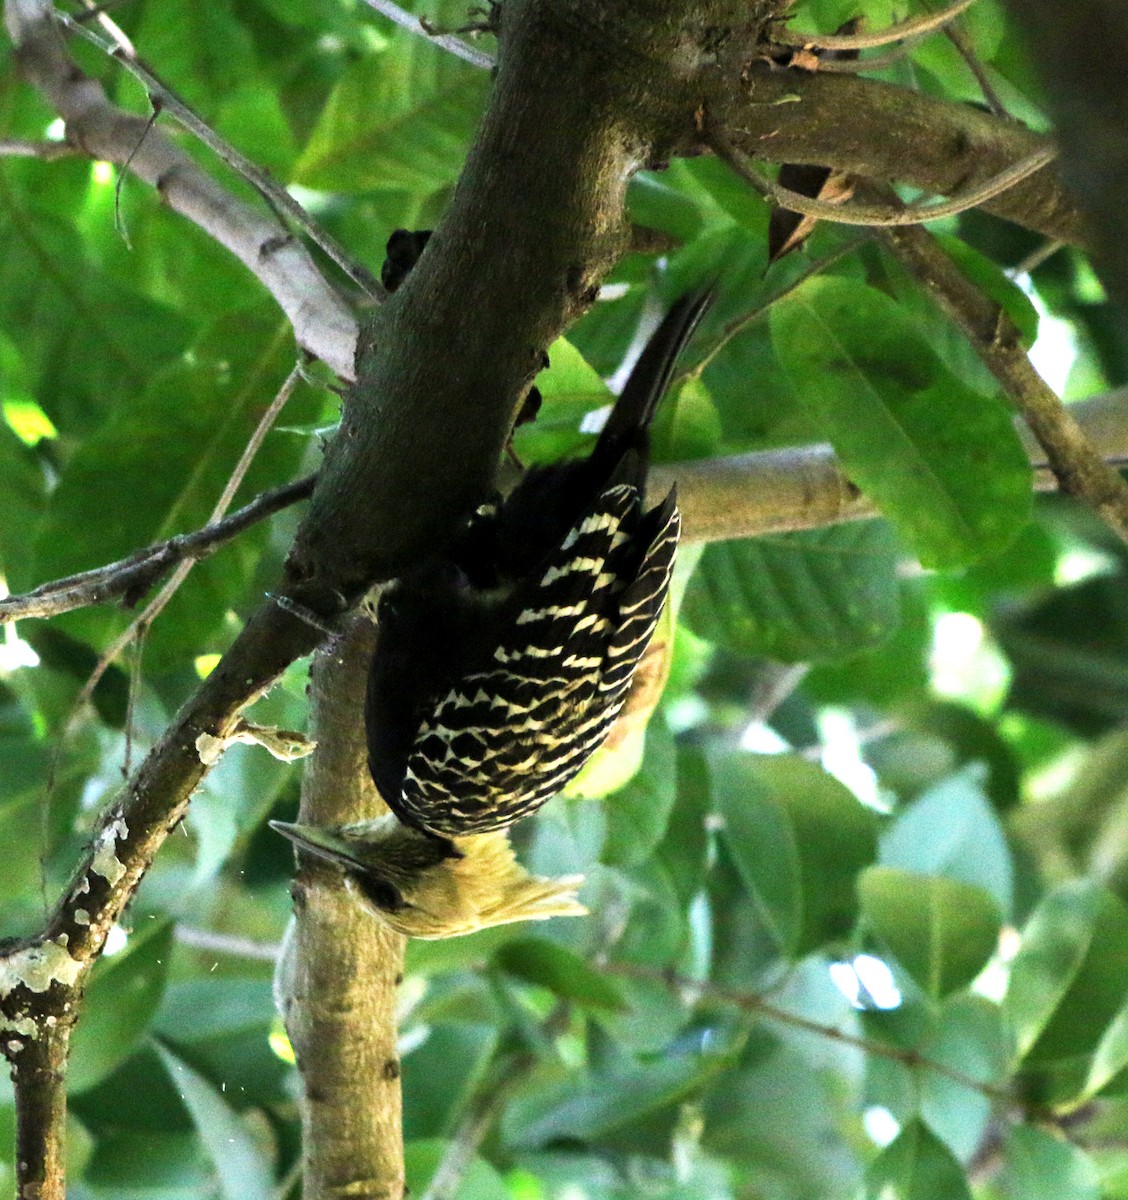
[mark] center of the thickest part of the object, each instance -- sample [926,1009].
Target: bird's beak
[321,842]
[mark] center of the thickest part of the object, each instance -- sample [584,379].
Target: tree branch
[130,578]
[42,977]
[164,99]
[522,246]
[879,131]
[1077,463]
[911,27]
[733,496]
[445,41]
[880,215]
[337,984]
[323,324]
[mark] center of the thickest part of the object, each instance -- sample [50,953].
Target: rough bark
[337,987]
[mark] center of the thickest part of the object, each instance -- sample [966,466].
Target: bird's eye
[386,896]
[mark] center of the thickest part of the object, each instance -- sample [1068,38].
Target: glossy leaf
[542,962]
[592,1108]
[399,119]
[821,595]
[971,1040]
[170,448]
[1065,931]
[637,813]
[441,1073]
[953,831]
[1068,987]
[478,1180]
[941,931]
[942,461]
[799,839]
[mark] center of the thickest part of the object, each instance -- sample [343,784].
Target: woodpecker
[501,665]
[431,887]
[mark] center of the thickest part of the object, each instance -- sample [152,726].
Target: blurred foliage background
[860,920]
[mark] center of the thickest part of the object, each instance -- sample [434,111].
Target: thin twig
[734,328]
[963,46]
[878,215]
[225,943]
[279,199]
[24,148]
[445,41]
[100,13]
[155,606]
[859,66]
[1035,258]
[911,27]
[322,322]
[1074,460]
[755,1002]
[135,575]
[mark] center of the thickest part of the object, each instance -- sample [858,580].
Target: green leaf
[122,997]
[821,595]
[1040,1165]
[399,119]
[971,1039]
[86,340]
[539,961]
[1111,1055]
[992,281]
[242,1166]
[799,839]
[440,1074]
[1068,987]
[222,1028]
[1057,943]
[21,824]
[476,1181]
[569,376]
[157,467]
[941,931]
[779,1109]
[207,50]
[150,1166]
[591,1107]
[762,845]
[953,831]
[637,814]
[687,424]
[654,204]
[651,1017]
[942,461]
[916,1165]
[22,496]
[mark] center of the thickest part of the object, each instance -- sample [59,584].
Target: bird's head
[431,887]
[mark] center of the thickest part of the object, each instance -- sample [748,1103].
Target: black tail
[635,407]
